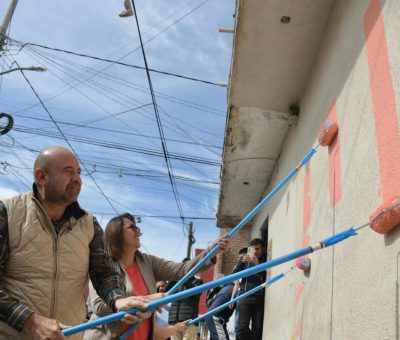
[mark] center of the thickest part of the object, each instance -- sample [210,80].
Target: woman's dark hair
[113,235]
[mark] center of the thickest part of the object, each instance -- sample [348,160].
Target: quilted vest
[45,271]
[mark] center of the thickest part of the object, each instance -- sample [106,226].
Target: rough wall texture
[351,292]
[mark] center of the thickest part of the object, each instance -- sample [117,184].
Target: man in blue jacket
[217,323]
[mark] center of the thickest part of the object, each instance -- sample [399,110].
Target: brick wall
[227,261]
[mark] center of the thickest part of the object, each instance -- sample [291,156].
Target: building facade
[294,65]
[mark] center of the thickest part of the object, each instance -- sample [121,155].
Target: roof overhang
[275,45]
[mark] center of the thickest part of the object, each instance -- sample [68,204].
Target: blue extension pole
[152,305]
[243,222]
[239,297]
[232,233]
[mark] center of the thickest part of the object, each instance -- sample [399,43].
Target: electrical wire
[117,146]
[122,98]
[114,130]
[159,124]
[66,140]
[24,44]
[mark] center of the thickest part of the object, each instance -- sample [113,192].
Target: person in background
[140,273]
[163,330]
[251,308]
[185,309]
[236,291]
[217,322]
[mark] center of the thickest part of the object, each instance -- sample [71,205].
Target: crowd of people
[58,268]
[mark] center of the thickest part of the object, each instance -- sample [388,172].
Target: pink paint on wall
[299,330]
[335,171]
[299,293]
[307,199]
[383,102]
[306,240]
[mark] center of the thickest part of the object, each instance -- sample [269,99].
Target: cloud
[7,193]
[190,47]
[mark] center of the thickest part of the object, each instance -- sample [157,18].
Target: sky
[107,114]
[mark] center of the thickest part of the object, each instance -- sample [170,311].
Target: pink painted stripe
[299,330]
[307,199]
[383,102]
[299,293]
[306,240]
[335,170]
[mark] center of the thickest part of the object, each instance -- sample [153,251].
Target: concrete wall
[351,290]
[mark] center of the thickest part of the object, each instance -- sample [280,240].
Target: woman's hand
[132,302]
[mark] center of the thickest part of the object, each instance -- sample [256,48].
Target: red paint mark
[335,176]
[307,199]
[306,240]
[383,101]
[299,293]
[299,330]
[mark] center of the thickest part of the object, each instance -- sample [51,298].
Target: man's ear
[40,176]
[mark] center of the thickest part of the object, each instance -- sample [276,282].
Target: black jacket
[187,308]
[251,281]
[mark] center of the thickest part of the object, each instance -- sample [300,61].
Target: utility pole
[191,240]
[6,22]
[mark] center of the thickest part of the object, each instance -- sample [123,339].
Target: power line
[18,145]
[159,124]
[121,97]
[116,131]
[159,93]
[66,140]
[105,75]
[164,216]
[23,44]
[126,171]
[123,147]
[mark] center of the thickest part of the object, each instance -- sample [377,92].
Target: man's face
[258,250]
[161,287]
[63,180]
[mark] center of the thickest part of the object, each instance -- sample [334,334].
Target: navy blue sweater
[223,296]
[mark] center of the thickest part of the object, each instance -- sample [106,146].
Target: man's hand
[250,259]
[254,260]
[38,327]
[136,302]
[222,241]
[181,327]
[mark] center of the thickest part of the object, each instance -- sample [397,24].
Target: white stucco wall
[351,290]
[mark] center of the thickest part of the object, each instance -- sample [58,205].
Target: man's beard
[68,196]
[71,193]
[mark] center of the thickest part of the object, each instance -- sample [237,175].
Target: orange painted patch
[383,101]
[335,171]
[299,293]
[307,199]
